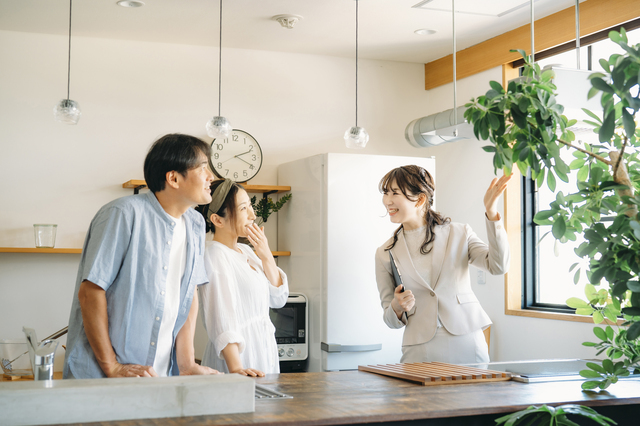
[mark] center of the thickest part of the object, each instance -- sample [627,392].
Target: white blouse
[235,308]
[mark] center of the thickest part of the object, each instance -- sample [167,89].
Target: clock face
[237,157]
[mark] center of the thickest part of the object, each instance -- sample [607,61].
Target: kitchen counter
[354,397]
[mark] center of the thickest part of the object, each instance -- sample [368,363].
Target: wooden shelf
[137,184]
[78,251]
[280,253]
[40,250]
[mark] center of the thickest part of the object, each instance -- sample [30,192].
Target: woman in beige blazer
[442,317]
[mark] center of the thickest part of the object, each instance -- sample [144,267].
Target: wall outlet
[481,277]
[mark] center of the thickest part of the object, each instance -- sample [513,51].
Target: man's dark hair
[172,152]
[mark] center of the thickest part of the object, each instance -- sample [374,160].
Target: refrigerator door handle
[337,348]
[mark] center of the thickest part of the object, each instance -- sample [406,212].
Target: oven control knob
[290,352]
[280,352]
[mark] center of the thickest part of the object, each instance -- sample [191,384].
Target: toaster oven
[291,326]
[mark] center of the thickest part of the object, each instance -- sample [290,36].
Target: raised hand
[496,188]
[258,240]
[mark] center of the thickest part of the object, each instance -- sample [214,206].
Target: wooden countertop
[354,397]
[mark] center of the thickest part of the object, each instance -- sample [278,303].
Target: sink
[544,370]
[94,400]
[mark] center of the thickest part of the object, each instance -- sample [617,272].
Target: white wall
[133,92]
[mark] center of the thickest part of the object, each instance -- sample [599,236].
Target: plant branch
[589,153]
[615,168]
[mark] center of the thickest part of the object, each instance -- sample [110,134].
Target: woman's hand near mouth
[258,240]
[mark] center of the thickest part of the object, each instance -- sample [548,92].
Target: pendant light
[218,126]
[356,137]
[68,111]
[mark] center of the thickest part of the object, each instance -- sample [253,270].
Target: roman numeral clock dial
[237,157]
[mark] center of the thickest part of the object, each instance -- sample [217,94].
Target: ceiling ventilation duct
[436,129]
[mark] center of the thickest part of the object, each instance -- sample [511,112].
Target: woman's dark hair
[413,181]
[226,210]
[172,152]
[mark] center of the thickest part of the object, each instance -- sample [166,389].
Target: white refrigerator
[333,225]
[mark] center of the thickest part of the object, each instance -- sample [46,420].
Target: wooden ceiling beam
[550,31]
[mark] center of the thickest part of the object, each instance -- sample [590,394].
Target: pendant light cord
[356,63]
[578,33]
[69,56]
[455,93]
[533,46]
[220,63]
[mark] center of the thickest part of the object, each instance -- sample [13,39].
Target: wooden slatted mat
[436,373]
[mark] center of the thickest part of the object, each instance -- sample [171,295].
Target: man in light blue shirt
[135,304]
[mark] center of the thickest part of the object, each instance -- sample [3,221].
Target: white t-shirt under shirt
[422,262]
[175,271]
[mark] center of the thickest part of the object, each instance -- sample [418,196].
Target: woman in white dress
[243,285]
[442,317]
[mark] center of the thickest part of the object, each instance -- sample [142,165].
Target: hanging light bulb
[356,137]
[68,111]
[218,126]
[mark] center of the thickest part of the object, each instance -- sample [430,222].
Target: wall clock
[237,157]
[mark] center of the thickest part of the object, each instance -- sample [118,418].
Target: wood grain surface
[357,397]
[436,373]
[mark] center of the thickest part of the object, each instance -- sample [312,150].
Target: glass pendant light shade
[218,127]
[356,137]
[67,111]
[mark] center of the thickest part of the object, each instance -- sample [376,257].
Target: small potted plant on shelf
[265,206]
[527,130]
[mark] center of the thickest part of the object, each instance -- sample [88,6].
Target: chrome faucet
[42,355]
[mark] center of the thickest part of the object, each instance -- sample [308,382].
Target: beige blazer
[450,295]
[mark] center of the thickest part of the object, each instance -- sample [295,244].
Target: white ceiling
[327,28]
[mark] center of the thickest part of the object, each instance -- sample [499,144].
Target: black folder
[396,274]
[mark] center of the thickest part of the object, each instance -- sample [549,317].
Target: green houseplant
[552,416]
[527,130]
[265,206]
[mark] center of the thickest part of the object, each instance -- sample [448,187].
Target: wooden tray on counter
[437,373]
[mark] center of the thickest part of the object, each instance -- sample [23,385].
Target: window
[547,282]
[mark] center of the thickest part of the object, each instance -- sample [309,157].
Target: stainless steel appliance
[291,322]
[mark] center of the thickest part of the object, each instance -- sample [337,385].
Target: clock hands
[243,160]
[246,152]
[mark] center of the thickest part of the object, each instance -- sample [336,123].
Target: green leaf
[629,123]
[633,286]
[608,125]
[605,65]
[600,333]
[576,277]
[583,174]
[634,331]
[597,317]
[590,374]
[592,115]
[551,182]
[585,311]
[591,384]
[496,86]
[489,148]
[574,302]
[596,367]
[559,227]
[601,85]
